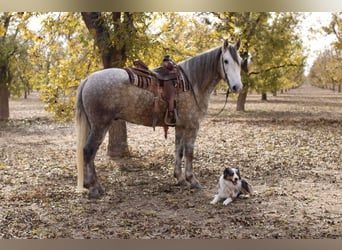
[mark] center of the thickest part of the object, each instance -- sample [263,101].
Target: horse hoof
[95,193]
[196,185]
[182,183]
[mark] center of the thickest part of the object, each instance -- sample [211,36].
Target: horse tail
[82,132]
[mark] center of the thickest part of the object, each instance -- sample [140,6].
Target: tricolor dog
[230,186]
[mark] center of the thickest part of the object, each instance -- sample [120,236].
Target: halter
[225,76]
[227,81]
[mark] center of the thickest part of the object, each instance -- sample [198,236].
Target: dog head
[232,174]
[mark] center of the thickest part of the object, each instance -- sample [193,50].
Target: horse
[108,95]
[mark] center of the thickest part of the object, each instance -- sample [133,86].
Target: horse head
[231,65]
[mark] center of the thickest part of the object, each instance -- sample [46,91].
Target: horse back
[109,95]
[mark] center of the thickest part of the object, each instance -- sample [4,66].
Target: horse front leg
[189,145]
[179,151]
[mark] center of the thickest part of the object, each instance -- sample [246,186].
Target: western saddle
[165,82]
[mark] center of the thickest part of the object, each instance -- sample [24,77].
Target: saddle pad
[145,79]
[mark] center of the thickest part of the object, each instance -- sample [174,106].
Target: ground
[288,148]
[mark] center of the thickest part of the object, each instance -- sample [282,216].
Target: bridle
[224,72]
[227,81]
[225,78]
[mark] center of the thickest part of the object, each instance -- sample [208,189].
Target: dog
[231,186]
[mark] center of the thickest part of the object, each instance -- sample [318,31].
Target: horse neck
[203,74]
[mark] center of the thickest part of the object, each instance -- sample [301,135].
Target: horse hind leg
[91,182]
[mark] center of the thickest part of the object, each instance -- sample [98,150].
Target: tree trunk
[4,102]
[242,100]
[263,96]
[112,56]
[117,143]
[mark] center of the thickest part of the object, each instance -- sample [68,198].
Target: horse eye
[225,61]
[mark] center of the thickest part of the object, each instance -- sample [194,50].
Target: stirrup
[166,116]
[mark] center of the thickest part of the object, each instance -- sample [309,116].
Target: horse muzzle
[236,88]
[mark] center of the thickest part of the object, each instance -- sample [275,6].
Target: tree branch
[94,22]
[274,67]
[6,19]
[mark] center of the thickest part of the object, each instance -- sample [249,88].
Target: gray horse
[108,95]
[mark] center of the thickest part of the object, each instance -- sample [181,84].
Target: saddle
[165,82]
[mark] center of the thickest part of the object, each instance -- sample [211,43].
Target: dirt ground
[289,148]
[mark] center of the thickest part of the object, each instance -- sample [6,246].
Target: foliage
[64,54]
[63,51]
[15,40]
[180,35]
[67,51]
[326,70]
[335,27]
[271,45]
[289,151]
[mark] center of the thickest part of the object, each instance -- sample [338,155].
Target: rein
[227,94]
[192,89]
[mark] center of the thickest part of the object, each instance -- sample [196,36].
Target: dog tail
[246,188]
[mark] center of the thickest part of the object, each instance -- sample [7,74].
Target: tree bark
[117,143]
[263,96]
[4,73]
[240,106]
[112,56]
[4,102]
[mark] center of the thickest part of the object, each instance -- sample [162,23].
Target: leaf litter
[288,148]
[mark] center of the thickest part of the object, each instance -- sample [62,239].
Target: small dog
[231,186]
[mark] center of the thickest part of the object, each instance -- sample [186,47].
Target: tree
[270,44]
[280,60]
[326,68]
[62,55]
[4,66]
[335,27]
[185,35]
[14,65]
[325,71]
[115,35]
[65,50]
[250,28]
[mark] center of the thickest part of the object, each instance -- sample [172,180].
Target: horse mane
[199,67]
[233,53]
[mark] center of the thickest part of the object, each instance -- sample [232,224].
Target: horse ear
[237,45]
[225,44]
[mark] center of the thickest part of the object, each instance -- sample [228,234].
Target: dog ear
[230,171]
[225,173]
[245,187]
[238,173]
